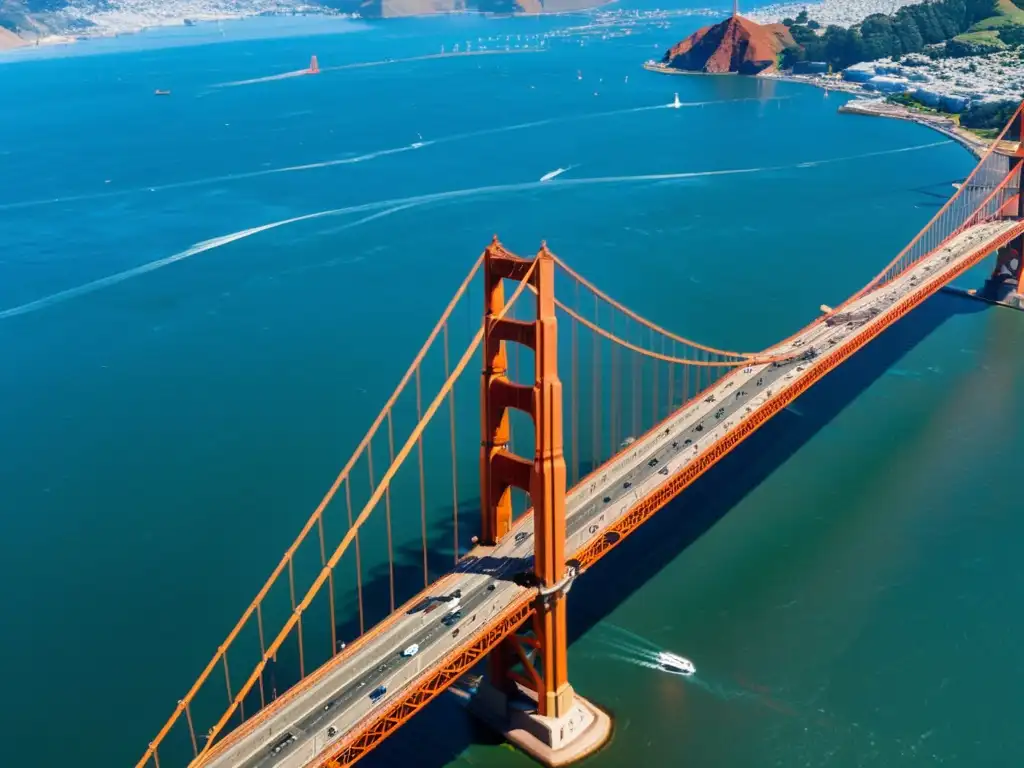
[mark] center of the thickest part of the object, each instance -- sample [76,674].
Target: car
[627,484]
[607,499]
[687,441]
[663,471]
[451,618]
[653,462]
[378,693]
[491,586]
[411,651]
[283,742]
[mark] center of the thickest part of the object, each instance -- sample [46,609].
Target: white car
[412,650]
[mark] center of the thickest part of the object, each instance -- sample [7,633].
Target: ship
[670,662]
[158,92]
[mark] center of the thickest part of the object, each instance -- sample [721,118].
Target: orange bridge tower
[555,726]
[1006,285]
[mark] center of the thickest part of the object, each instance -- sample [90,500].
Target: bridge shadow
[440,734]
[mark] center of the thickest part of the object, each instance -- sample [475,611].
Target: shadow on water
[441,733]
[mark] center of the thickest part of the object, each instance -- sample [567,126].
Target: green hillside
[1005,27]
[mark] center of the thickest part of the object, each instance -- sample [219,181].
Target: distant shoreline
[974,144]
[12,41]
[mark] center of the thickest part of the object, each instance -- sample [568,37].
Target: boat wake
[231,177]
[267,79]
[375,63]
[387,207]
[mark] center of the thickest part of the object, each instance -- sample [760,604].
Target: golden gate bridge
[649,411]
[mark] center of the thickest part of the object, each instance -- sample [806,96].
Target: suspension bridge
[321,668]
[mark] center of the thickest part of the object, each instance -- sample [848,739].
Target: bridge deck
[615,499]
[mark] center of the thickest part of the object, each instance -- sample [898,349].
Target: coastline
[862,105]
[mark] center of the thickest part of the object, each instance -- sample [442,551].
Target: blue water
[182,385]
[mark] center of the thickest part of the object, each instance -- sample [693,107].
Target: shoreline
[13,41]
[864,104]
[860,105]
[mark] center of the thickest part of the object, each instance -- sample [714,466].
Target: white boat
[676,664]
[412,650]
[676,103]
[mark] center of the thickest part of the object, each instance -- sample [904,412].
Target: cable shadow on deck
[443,731]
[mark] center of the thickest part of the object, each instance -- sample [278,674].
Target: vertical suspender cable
[330,586]
[614,408]
[227,675]
[370,476]
[387,515]
[455,474]
[574,397]
[291,579]
[672,381]
[655,364]
[302,654]
[596,390]
[637,394]
[359,562]
[263,649]
[423,487]
[192,729]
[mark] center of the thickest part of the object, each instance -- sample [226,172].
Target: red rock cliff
[734,45]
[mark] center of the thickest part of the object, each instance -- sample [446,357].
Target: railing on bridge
[624,374]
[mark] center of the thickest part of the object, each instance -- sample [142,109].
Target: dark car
[378,693]
[451,618]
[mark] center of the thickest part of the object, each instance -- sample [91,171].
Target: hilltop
[734,45]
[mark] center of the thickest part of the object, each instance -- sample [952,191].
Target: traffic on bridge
[654,426]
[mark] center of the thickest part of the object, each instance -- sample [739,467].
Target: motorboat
[670,662]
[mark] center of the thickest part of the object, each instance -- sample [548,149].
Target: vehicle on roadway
[451,618]
[412,650]
[378,693]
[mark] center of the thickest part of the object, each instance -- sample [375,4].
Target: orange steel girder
[376,728]
[545,478]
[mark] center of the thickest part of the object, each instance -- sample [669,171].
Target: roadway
[335,703]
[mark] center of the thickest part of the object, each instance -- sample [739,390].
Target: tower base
[548,740]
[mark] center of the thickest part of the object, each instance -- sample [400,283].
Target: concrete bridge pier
[578,732]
